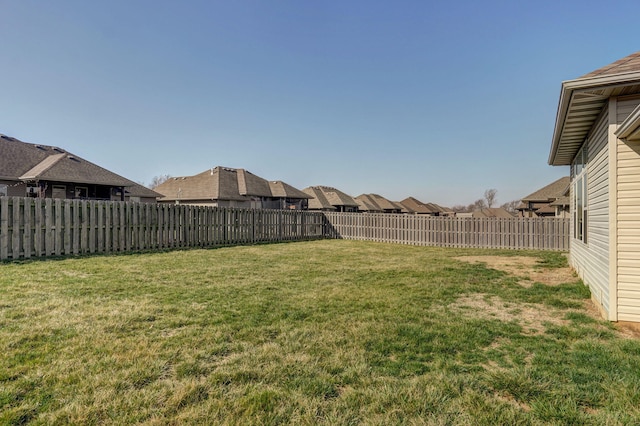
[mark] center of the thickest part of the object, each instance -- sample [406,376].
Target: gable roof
[225,183]
[30,162]
[582,100]
[550,192]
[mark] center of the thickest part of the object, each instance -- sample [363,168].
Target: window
[580,211]
[82,192]
[4,190]
[32,191]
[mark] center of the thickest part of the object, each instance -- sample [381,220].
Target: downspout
[612,144]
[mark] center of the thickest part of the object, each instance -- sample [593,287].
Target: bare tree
[511,206]
[479,204]
[490,196]
[158,180]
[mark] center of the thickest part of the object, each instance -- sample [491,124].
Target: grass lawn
[322,332]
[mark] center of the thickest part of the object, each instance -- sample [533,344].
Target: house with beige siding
[597,134]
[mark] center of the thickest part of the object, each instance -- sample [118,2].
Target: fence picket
[515,233]
[35,227]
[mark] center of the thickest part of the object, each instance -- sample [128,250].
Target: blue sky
[436,100]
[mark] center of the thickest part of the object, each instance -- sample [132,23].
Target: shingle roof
[582,101]
[400,207]
[318,201]
[209,185]
[137,190]
[626,64]
[549,209]
[416,206]
[26,161]
[492,212]
[250,184]
[376,202]
[550,192]
[561,201]
[368,204]
[284,190]
[333,196]
[224,183]
[383,202]
[42,167]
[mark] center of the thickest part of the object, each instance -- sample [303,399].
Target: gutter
[569,87]
[629,129]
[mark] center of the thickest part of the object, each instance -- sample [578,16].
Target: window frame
[580,195]
[80,190]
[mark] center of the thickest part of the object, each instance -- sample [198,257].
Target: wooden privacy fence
[510,233]
[33,227]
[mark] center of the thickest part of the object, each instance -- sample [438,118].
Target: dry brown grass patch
[531,317]
[524,267]
[627,329]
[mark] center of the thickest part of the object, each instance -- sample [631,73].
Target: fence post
[34,227]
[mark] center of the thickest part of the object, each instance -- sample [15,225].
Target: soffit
[581,102]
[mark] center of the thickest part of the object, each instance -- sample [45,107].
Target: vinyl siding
[591,260]
[628,220]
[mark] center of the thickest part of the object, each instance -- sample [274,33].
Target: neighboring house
[597,133]
[415,206]
[497,212]
[327,198]
[562,206]
[374,203]
[547,201]
[446,211]
[31,170]
[228,187]
[367,205]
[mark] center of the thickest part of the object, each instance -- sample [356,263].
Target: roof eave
[25,178]
[570,87]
